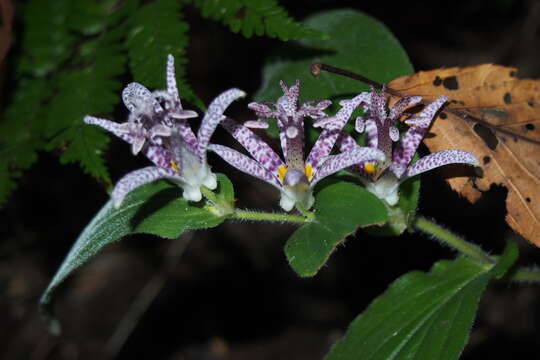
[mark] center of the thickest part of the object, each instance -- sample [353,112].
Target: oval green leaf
[157,208]
[340,209]
[357,42]
[422,315]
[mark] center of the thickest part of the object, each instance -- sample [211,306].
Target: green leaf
[47,41]
[156,30]
[340,209]
[261,17]
[157,208]
[357,42]
[422,315]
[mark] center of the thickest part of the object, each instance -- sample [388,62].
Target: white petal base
[290,196]
[385,188]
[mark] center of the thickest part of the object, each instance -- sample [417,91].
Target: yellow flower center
[369,168]
[174,166]
[308,170]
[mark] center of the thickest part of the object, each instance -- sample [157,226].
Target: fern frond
[158,29]
[47,41]
[259,17]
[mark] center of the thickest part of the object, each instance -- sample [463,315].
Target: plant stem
[217,204]
[525,275]
[263,216]
[308,214]
[452,240]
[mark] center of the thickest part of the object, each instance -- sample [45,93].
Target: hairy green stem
[307,214]
[524,275]
[263,216]
[216,204]
[452,240]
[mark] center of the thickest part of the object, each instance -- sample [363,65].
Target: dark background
[232,294]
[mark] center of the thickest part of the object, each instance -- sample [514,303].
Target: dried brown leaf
[502,128]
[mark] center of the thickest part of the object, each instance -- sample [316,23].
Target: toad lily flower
[157,126]
[383,178]
[296,176]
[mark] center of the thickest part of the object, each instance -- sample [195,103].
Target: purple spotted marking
[157,127]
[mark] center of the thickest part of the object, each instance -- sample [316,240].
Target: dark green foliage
[157,29]
[69,61]
[259,17]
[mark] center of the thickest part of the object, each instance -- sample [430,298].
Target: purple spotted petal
[377,109]
[213,116]
[431,109]
[372,133]
[287,105]
[441,158]
[360,124]
[189,137]
[404,152]
[346,142]
[260,151]
[111,126]
[422,122]
[256,124]
[172,89]
[262,110]
[159,156]
[139,99]
[332,130]
[403,104]
[334,163]
[135,179]
[314,111]
[393,132]
[244,164]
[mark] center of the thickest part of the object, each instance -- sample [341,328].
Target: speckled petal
[393,133]
[244,164]
[422,122]
[403,104]
[117,129]
[441,158]
[431,109]
[159,156]
[172,89]
[406,148]
[359,124]
[377,109]
[372,131]
[346,142]
[189,137]
[334,163]
[262,110]
[139,99]
[314,111]
[135,179]
[260,151]
[332,130]
[256,124]
[213,116]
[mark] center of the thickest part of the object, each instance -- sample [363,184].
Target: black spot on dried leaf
[529,127]
[507,98]
[451,83]
[443,115]
[512,73]
[530,103]
[437,81]
[486,160]
[486,135]
[528,199]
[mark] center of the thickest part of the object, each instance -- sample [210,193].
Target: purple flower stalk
[383,178]
[157,126]
[295,176]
